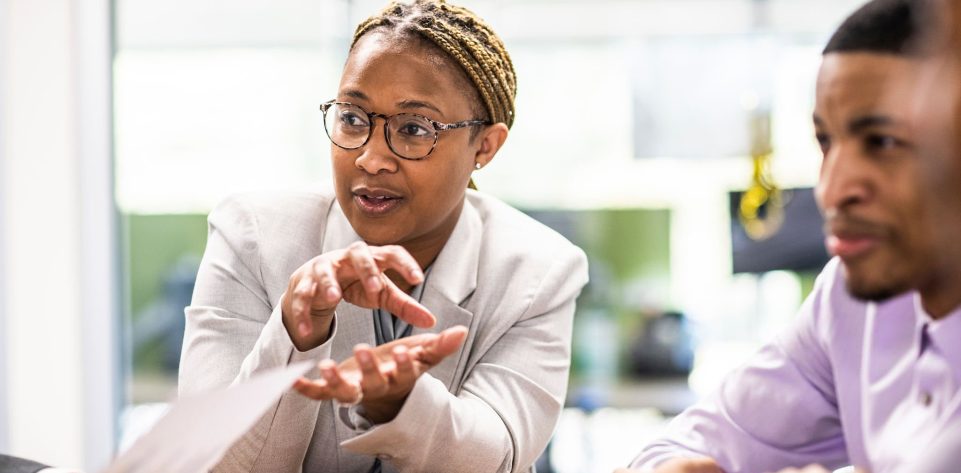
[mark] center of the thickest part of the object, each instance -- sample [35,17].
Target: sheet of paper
[197,431]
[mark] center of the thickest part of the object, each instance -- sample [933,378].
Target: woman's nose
[376,156]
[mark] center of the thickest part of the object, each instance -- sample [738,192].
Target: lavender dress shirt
[851,383]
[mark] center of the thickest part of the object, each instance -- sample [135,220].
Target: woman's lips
[376,205]
[849,247]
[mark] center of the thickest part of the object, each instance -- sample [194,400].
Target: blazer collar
[450,283]
[453,275]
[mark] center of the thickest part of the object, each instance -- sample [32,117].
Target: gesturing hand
[380,378]
[355,274]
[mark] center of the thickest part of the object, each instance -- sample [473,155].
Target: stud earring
[477,166]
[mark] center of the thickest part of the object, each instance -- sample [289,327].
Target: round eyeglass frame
[438,127]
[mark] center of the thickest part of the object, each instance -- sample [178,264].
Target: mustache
[844,224]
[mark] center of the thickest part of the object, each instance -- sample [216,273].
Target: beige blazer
[490,407]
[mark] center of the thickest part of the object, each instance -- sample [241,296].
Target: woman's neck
[425,249]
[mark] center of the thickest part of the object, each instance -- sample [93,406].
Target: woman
[486,293]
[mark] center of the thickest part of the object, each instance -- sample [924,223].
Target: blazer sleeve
[779,410]
[233,331]
[509,404]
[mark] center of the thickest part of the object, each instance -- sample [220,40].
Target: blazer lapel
[354,324]
[450,283]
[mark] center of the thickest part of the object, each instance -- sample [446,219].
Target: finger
[302,297]
[316,390]
[373,382]
[446,343]
[397,258]
[328,289]
[416,354]
[405,307]
[340,389]
[404,373]
[362,260]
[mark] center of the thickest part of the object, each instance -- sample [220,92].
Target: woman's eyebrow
[355,94]
[416,104]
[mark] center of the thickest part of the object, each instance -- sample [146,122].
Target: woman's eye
[352,119]
[413,129]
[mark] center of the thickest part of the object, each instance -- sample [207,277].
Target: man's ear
[489,142]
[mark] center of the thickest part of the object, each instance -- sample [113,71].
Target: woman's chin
[378,233]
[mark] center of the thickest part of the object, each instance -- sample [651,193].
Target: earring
[477,166]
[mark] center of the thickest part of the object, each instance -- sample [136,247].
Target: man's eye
[879,142]
[824,141]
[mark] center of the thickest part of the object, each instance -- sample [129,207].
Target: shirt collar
[944,334]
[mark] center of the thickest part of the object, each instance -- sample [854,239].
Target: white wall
[4,442]
[59,245]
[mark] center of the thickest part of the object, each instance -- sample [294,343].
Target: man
[869,374]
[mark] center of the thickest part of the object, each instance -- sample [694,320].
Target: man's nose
[844,180]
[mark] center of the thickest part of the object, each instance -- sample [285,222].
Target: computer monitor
[797,246]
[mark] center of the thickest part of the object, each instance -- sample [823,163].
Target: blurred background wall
[60,253]
[641,125]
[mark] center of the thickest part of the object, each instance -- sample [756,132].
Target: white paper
[197,431]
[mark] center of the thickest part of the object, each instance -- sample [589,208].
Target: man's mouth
[849,239]
[850,246]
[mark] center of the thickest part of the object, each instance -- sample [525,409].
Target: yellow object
[761,210]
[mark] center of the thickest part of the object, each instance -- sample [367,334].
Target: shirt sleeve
[777,411]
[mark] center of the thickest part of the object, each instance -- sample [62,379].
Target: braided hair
[465,38]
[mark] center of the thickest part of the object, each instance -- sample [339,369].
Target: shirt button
[925,399]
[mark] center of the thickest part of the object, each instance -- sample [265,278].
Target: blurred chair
[665,347]
[162,321]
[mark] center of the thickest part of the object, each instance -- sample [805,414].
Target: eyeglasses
[408,135]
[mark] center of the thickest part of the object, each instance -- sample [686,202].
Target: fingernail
[373,283]
[331,294]
[364,357]
[417,274]
[402,357]
[304,329]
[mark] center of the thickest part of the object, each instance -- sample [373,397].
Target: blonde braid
[465,38]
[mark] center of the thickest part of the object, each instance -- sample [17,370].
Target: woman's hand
[380,378]
[355,274]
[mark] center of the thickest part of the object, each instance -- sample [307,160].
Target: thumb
[446,343]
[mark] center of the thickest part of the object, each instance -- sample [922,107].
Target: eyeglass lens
[410,136]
